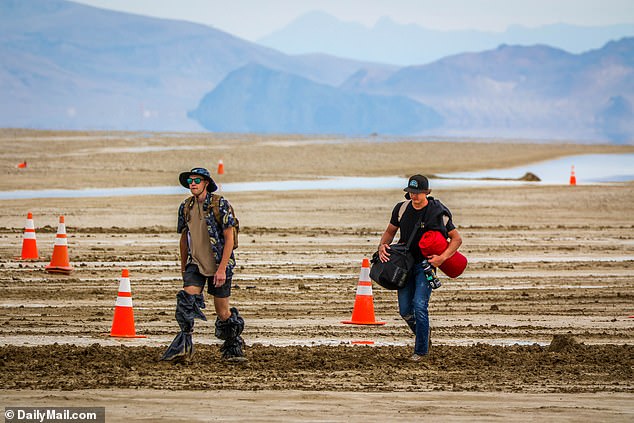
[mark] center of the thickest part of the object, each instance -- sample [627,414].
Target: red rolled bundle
[434,243]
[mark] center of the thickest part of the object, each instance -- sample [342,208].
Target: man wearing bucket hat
[206,250]
[413,298]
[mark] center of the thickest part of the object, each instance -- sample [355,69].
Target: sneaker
[417,357]
[421,360]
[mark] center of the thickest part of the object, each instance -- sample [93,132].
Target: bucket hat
[201,171]
[416,184]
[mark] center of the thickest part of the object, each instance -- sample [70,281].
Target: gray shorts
[192,277]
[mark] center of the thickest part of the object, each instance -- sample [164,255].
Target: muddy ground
[543,308]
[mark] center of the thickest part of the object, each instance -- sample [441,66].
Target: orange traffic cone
[123,320]
[22,165]
[221,167]
[573,178]
[29,245]
[363,311]
[59,262]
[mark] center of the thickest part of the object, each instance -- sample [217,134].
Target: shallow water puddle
[590,168]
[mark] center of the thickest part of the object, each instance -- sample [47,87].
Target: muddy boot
[188,308]
[181,348]
[231,349]
[229,330]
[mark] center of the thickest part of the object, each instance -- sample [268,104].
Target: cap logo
[413,184]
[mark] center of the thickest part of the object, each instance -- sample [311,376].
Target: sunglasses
[196,180]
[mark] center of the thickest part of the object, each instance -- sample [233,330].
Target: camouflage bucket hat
[201,171]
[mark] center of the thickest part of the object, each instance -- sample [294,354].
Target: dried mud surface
[544,306]
[481,367]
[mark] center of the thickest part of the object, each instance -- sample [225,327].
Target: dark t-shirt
[436,217]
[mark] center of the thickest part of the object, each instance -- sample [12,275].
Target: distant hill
[66,65]
[261,100]
[403,45]
[533,92]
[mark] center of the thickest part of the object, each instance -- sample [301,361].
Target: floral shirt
[216,234]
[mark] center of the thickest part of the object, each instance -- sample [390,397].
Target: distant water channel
[589,169]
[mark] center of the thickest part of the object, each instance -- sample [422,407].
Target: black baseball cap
[417,184]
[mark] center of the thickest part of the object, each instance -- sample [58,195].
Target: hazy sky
[252,19]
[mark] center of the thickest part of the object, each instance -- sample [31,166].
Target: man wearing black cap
[206,249]
[413,298]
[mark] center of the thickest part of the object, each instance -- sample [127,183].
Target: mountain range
[537,91]
[409,44]
[70,66]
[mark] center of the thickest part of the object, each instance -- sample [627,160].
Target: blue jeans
[413,304]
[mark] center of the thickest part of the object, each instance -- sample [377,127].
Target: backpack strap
[215,208]
[187,207]
[401,211]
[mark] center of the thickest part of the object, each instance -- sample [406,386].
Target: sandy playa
[545,261]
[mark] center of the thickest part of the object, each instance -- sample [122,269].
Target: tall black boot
[229,330]
[188,308]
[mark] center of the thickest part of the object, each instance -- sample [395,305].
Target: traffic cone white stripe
[61,229]
[364,290]
[123,302]
[61,242]
[364,275]
[365,284]
[124,286]
[29,225]
[29,235]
